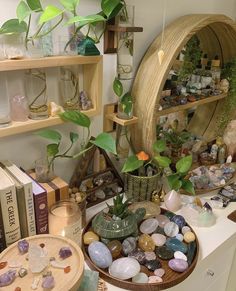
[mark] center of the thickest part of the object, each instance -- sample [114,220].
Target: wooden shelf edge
[124,122]
[46,62]
[125,28]
[31,125]
[190,104]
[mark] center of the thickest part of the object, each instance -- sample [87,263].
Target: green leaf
[13,26]
[22,11]
[159,146]
[76,117]
[174,182]
[74,137]
[52,149]
[116,11]
[50,134]
[70,4]
[50,13]
[188,186]
[126,101]
[118,87]
[106,142]
[108,6]
[163,162]
[35,5]
[184,164]
[94,18]
[132,163]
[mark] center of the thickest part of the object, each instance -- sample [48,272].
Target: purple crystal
[7,278]
[178,265]
[65,252]
[23,246]
[207,207]
[48,282]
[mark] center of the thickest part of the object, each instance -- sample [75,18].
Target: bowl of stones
[160,255]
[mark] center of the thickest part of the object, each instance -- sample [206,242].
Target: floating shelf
[31,125]
[190,104]
[123,122]
[46,62]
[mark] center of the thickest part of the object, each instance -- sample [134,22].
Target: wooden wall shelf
[124,29]
[190,105]
[123,122]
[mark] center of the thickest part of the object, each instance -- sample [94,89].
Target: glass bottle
[35,89]
[222,150]
[215,69]
[65,219]
[5,119]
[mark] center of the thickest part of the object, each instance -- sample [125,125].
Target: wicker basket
[141,188]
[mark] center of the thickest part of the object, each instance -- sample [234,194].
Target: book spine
[29,203]
[41,213]
[10,215]
[2,234]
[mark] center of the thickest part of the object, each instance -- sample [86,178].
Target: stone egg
[149,225]
[146,243]
[89,237]
[159,239]
[124,268]
[100,254]
[189,236]
[178,265]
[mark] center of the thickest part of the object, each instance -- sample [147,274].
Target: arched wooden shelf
[216,33]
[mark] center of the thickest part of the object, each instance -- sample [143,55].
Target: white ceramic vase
[172,201]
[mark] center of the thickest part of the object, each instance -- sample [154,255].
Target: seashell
[55,109]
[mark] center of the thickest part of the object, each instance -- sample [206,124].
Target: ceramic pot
[172,201]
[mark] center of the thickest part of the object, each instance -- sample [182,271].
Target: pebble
[189,237]
[164,253]
[171,229]
[159,239]
[175,245]
[129,245]
[74,190]
[185,229]
[179,236]
[146,243]
[180,255]
[100,194]
[162,220]
[140,278]
[159,272]
[153,265]
[124,268]
[150,256]
[3,265]
[139,256]
[154,279]
[178,265]
[89,237]
[148,226]
[179,220]
[67,269]
[115,248]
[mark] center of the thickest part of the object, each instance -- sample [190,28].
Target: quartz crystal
[48,282]
[37,259]
[23,246]
[65,252]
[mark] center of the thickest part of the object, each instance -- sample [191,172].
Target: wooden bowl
[70,281]
[170,279]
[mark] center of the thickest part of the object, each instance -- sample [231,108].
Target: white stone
[140,278]
[149,225]
[159,239]
[59,265]
[124,268]
[180,255]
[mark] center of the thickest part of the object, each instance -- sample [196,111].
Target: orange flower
[142,156]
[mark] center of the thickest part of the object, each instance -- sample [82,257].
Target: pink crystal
[19,108]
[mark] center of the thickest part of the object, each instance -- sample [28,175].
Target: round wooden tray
[69,281]
[170,278]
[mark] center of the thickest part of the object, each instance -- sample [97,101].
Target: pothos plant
[27,8]
[54,151]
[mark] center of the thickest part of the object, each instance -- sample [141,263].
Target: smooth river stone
[164,253]
[159,239]
[129,245]
[139,256]
[162,220]
[100,254]
[146,243]
[148,226]
[152,209]
[180,255]
[179,220]
[178,265]
[185,229]
[159,272]
[159,230]
[140,278]
[191,251]
[171,229]
[189,237]
[169,214]
[175,245]
[115,248]
[124,268]
[154,279]
[150,256]
[179,236]
[153,265]
[89,237]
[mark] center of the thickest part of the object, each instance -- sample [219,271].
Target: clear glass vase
[69,88]
[5,119]
[14,46]
[44,172]
[125,43]
[35,89]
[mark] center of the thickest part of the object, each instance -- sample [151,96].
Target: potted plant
[125,103]
[118,222]
[54,150]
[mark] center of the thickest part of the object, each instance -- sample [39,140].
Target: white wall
[23,149]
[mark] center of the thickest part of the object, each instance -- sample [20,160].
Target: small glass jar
[65,219]
[14,46]
[44,172]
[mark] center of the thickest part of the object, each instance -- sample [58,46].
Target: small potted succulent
[118,221]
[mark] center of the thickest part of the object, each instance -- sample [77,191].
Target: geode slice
[7,278]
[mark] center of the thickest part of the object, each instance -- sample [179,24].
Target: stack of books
[23,205]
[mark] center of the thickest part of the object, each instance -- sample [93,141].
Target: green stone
[169,214]
[191,252]
[160,230]
[164,253]
[88,48]
[176,245]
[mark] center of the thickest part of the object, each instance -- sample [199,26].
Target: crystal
[140,278]
[129,245]
[159,239]
[159,272]
[67,269]
[85,103]
[179,220]
[115,248]
[124,268]
[148,226]
[189,236]
[22,272]
[7,278]
[89,237]
[175,245]
[42,245]
[178,265]
[180,255]
[162,220]
[154,279]
[150,256]
[171,229]
[48,282]
[65,252]
[59,265]
[23,246]
[19,108]
[146,243]
[172,201]
[153,264]
[100,254]
[138,255]
[179,236]
[100,194]
[35,283]
[37,259]
[164,253]
[17,289]
[3,265]
[55,109]
[47,273]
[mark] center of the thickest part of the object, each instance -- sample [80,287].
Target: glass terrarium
[36,92]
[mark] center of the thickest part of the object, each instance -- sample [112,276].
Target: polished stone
[175,245]
[89,237]
[189,237]
[124,268]
[152,209]
[162,220]
[178,265]
[100,254]
[159,230]
[140,278]
[150,256]
[155,279]
[179,236]
[153,265]
[180,255]
[148,226]
[138,255]
[146,243]
[191,251]
[115,248]
[129,245]
[171,229]
[185,229]
[164,253]
[159,272]
[179,220]
[159,239]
